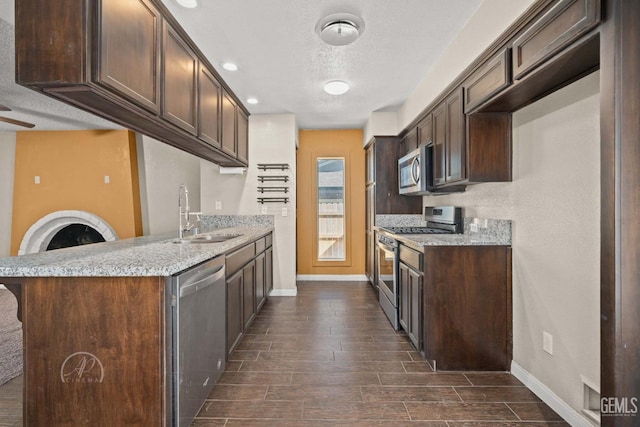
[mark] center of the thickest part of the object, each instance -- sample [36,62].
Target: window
[331,215]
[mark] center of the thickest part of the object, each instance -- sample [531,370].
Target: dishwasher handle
[206,281]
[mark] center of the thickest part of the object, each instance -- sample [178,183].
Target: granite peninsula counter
[157,255]
[99,321]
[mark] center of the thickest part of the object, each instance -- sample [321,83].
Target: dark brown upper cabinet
[229,115]
[180,71]
[122,21]
[425,131]
[449,142]
[243,137]
[409,141]
[492,77]
[130,62]
[209,98]
[565,22]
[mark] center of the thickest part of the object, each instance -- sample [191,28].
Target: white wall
[554,202]
[162,169]
[7,162]
[380,123]
[272,139]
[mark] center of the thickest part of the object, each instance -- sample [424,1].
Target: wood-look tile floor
[329,357]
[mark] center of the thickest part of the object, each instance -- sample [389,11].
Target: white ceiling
[282,61]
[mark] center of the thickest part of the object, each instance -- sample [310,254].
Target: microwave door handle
[415,170]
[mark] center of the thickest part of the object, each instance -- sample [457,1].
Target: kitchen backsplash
[222,221]
[494,229]
[415,220]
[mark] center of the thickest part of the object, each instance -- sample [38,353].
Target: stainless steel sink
[207,238]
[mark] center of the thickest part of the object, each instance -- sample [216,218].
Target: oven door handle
[386,247]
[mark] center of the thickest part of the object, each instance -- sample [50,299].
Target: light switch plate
[285,211]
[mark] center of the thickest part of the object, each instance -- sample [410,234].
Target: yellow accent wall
[72,166]
[330,143]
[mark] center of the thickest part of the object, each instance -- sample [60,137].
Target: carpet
[10,337]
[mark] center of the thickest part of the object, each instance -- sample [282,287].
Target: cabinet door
[268,275]
[243,137]
[425,131]
[439,139]
[370,163]
[228,124]
[180,77]
[260,284]
[369,233]
[248,294]
[404,294]
[415,308]
[492,77]
[234,310]
[409,142]
[455,138]
[128,36]
[209,92]
[562,24]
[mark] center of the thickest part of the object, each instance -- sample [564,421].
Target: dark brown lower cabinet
[261,284]
[410,293]
[249,293]
[235,285]
[249,281]
[268,270]
[466,307]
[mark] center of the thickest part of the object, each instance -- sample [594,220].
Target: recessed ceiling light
[230,66]
[336,87]
[188,3]
[340,29]
[252,100]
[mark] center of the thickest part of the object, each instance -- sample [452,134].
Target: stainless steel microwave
[414,171]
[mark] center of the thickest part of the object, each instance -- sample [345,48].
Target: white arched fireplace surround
[39,235]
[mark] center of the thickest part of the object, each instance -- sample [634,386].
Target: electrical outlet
[107,179]
[264,210]
[547,342]
[285,211]
[473,227]
[218,205]
[36,179]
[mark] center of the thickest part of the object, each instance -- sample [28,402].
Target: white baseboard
[563,409]
[283,292]
[331,277]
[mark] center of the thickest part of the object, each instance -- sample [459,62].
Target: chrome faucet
[184,213]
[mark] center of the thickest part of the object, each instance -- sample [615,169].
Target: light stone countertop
[419,241]
[140,256]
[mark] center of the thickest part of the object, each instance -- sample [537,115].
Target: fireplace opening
[74,235]
[63,229]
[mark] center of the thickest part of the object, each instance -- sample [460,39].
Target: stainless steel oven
[387,266]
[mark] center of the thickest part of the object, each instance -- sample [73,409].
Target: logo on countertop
[81,367]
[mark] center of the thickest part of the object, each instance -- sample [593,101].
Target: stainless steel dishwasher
[198,341]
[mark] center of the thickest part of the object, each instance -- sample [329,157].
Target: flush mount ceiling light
[340,29]
[252,100]
[336,87]
[190,4]
[230,66]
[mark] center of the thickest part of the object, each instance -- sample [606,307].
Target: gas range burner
[417,230]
